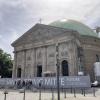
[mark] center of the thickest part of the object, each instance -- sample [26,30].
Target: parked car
[95,84]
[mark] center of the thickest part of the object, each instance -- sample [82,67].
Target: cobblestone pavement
[15,95]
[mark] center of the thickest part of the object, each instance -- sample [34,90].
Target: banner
[50,82]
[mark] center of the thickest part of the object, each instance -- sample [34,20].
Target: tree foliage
[5,64]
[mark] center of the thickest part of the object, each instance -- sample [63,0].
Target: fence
[72,85]
[42,94]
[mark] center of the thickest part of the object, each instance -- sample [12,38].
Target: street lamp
[58,67]
[97,29]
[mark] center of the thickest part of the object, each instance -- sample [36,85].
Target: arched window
[65,71]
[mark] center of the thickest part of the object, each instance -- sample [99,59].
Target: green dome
[75,25]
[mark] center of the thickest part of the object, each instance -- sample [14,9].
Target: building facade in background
[35,51]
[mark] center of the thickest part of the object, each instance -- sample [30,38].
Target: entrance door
[19,72]
[65,71]
[39,71]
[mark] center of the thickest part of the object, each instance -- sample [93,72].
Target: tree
[6,64]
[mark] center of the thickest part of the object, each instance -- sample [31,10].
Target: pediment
[40,33]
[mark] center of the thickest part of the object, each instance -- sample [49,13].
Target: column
[44,61]
[75,66]
[24,63]
[35,66]
[33,62]
[14,73]
[72,59]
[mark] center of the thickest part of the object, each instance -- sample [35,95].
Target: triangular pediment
[41,32]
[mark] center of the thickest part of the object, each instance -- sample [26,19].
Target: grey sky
[17,16]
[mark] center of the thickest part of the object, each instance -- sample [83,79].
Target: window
[97,58]
[19,73]
[80,51]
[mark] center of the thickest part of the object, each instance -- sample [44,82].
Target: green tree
[5,64]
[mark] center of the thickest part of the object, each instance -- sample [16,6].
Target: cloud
[6,40]
[17,16]
[50,10]
[0,36]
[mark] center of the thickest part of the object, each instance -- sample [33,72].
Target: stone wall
[91,48]
[28,58]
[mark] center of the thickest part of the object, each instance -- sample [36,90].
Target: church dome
[74,25]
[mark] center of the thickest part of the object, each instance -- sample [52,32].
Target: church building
[35,52]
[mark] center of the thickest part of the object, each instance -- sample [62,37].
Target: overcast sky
[17,16]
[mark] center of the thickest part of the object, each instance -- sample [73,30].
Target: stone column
[35,66]
[44,61]
[33,62]
[74,58]
[76,63]
[24,64]
[71,59]
[14,72]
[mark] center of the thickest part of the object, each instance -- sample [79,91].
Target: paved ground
[15,95]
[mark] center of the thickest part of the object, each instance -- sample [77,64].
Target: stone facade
[91,47]
[35,52]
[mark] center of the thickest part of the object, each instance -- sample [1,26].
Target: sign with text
[65,82]
[51,82]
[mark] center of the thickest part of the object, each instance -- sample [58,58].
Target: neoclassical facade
[78,48]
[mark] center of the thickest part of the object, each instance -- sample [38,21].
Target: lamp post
[57,64]
[97,29]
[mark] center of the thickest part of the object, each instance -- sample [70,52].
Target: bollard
[74,93]
[52,94]
[24,95]
[65,94]
[40,91]
[94,92]
[23,91]
[84,92]
[5,93]
[71,90]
